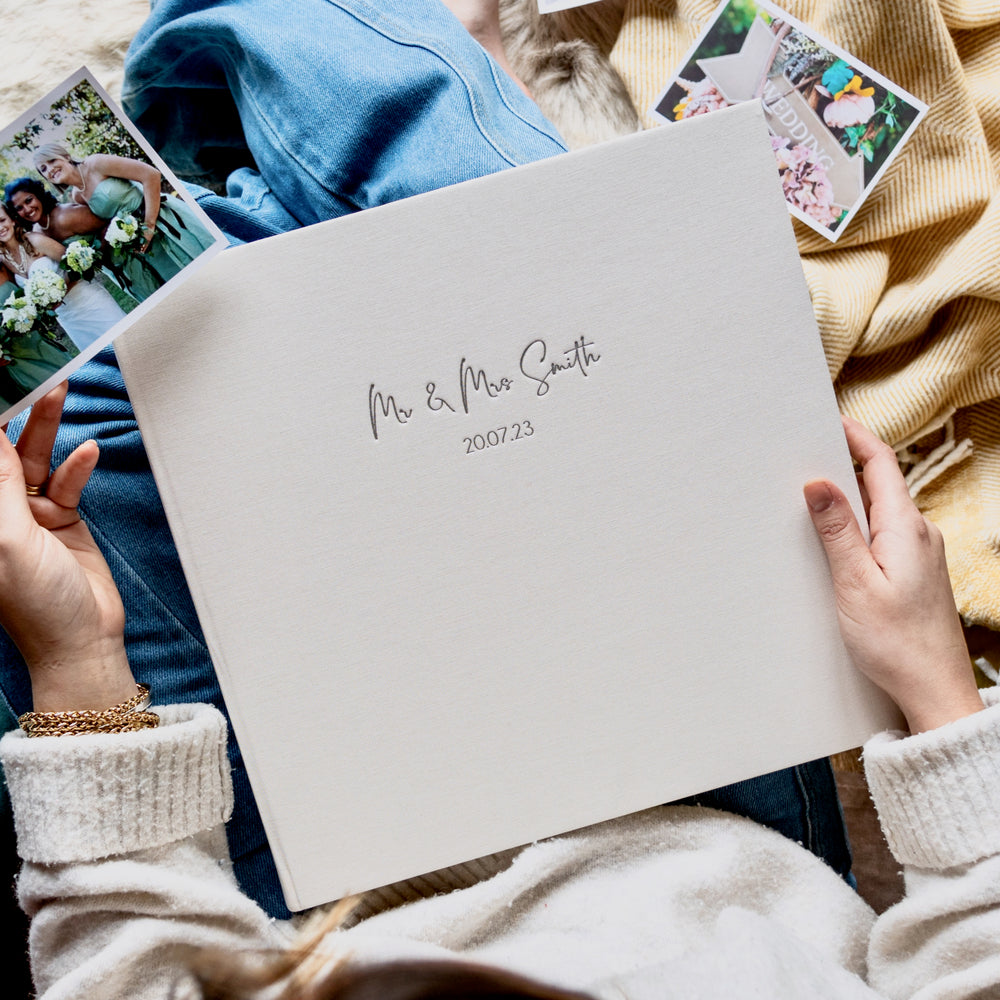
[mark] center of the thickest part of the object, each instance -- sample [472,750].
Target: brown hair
[225,975]
[411,980]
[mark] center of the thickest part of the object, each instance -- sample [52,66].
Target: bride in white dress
[87,312]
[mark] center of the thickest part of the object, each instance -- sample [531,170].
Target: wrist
[83,680]
[125,717]
[946,699]
[926,718]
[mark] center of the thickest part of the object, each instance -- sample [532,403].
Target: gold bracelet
[124,718]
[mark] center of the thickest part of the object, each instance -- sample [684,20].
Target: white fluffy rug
[43,41]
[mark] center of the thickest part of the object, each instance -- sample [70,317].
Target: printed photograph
[835,123]
[549,6]
[92,230]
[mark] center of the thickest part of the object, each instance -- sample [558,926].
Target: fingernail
[819,496]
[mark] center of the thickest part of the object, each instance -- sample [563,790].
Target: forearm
[151,196]
[122,834]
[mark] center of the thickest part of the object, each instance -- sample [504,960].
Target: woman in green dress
[172,234]
[34,358]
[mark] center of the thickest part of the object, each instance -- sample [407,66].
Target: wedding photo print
[93,230]
[836,124]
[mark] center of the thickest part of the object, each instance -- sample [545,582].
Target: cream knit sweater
[125,857]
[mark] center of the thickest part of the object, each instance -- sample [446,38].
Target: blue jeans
[306,111]
[333,105]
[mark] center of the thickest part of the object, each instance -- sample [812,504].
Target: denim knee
[339,105]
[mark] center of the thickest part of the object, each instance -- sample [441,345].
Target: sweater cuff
[80,798]
[938,793]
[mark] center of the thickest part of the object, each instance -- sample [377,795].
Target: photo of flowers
[836,124]
[94,231]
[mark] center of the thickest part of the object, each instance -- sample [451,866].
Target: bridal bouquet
[804,180]
[46,289]
[83,257]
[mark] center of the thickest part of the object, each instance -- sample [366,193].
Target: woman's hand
[58,601]
[894,599]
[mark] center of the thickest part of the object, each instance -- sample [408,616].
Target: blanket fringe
[920,467]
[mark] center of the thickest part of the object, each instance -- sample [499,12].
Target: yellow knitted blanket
[908,301]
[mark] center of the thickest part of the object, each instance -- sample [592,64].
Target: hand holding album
[58,601]
[894,600]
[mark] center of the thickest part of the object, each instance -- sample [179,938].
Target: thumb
[14,512]
[845,546]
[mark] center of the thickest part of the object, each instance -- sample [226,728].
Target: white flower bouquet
[82,257]
[18,314]
[46,289]
[124,236]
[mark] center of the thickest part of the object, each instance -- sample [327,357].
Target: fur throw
[563,60]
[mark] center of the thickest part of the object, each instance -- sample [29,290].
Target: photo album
[492,494]
[505,507]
